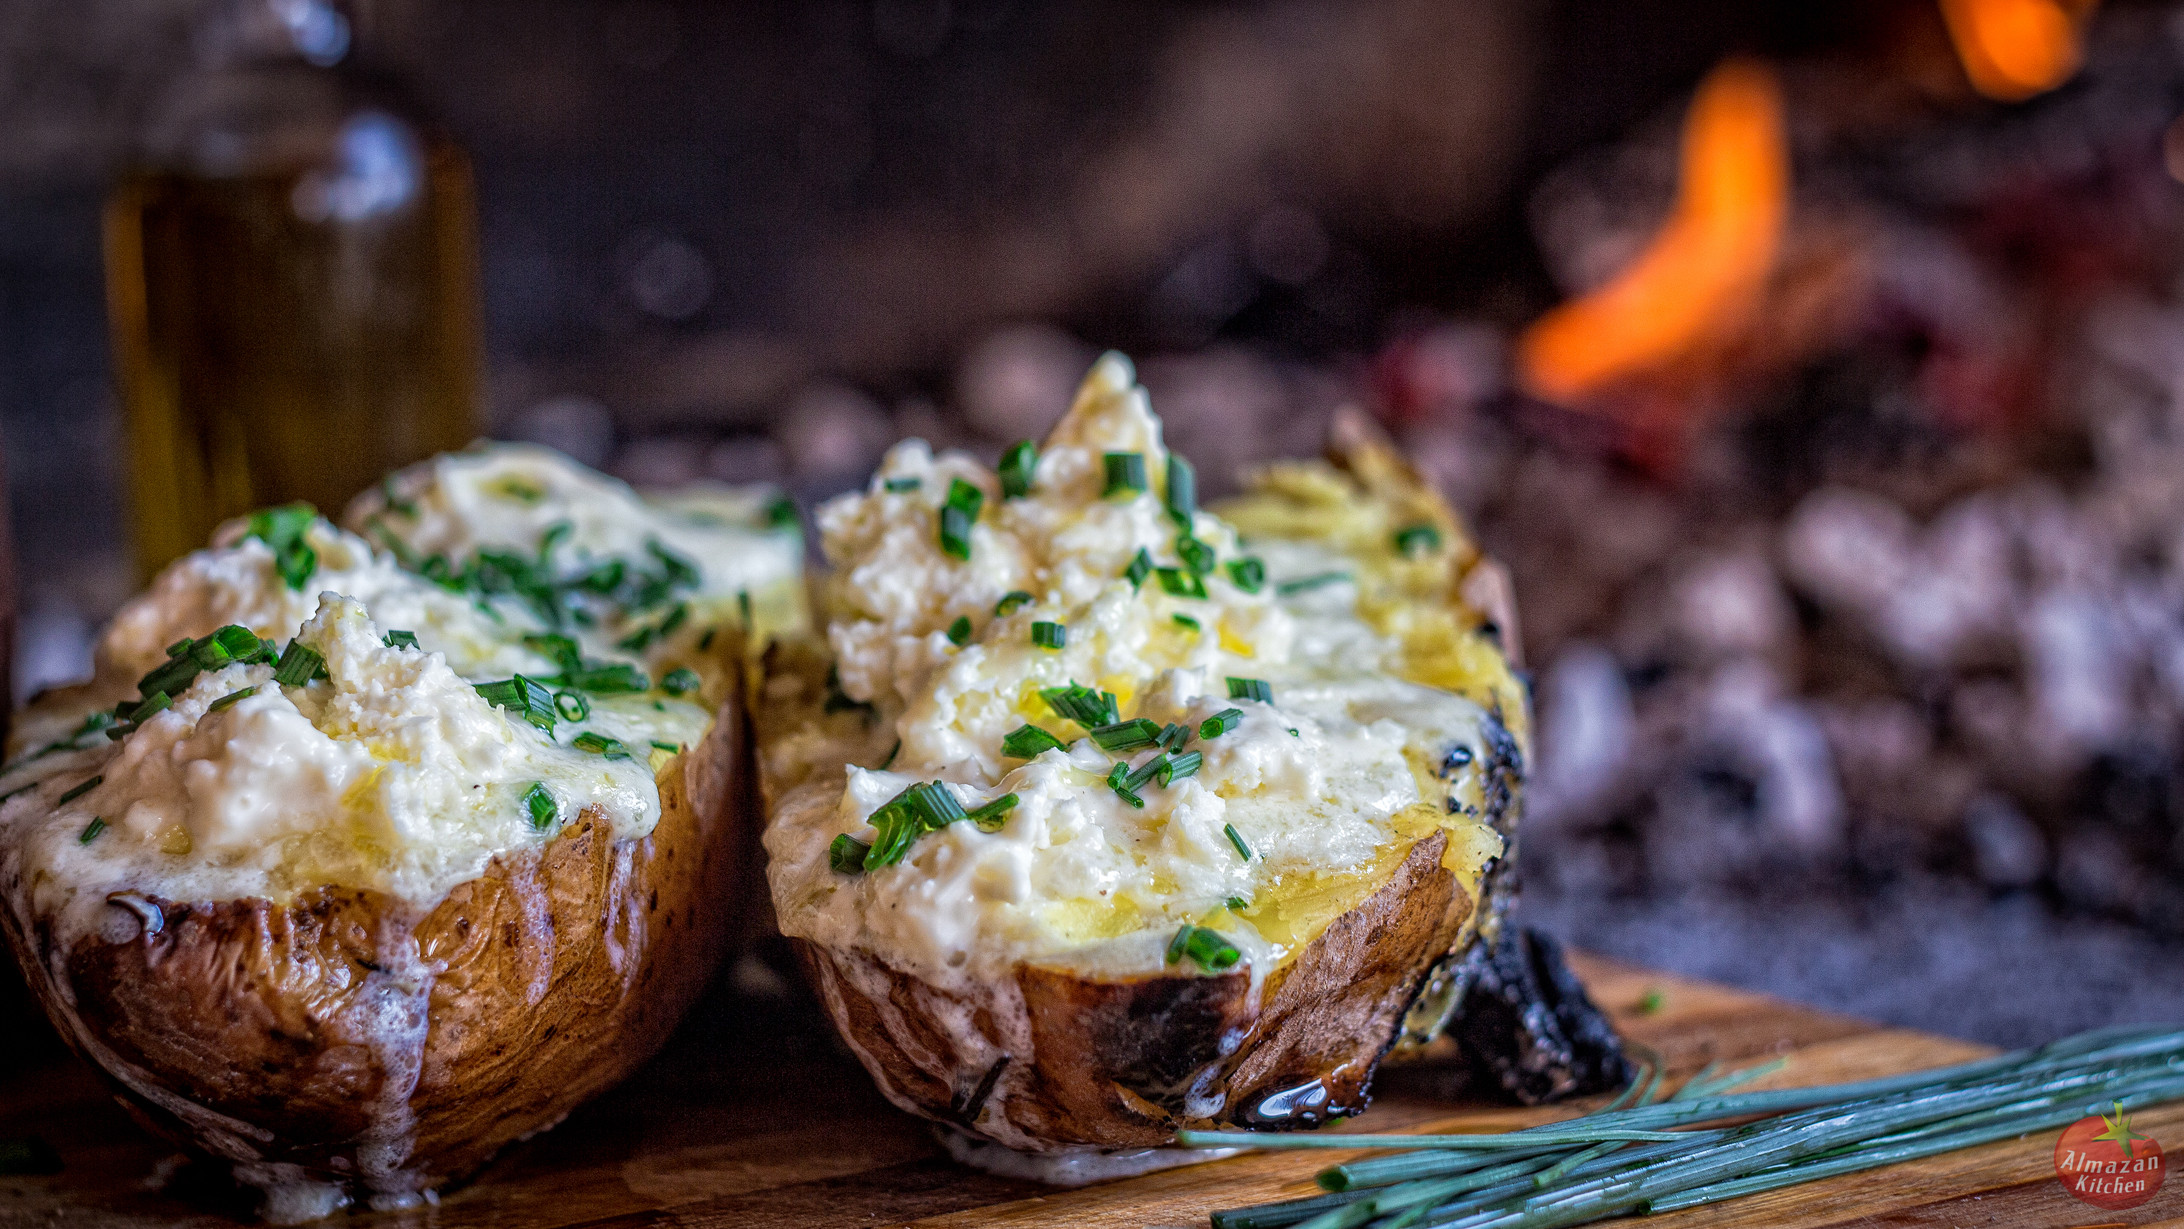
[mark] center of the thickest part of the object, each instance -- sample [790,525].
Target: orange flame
[2014,49]
[1705,266]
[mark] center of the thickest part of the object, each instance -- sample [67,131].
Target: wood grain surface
[753,1118]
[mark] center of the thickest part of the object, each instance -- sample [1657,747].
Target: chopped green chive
[1118,779]
[399,640]
[1209,949]
[925,807]
[743,614]
[1220,723]
[1248,573]
[899,485]
[1011,602]
[1415,540]
[608,678]
[892,752]
[1180,766]
[847,854]
[1237,839]
[1028,742]
[233,697]
[1173,736]
[1179,583]
[1182,492]
[1196,555]
[681,681]
[1049,635]
[179,647]
[527,698]
[79,791]
[959,632]
[540,803]
[1123,737]
[572,706]
[283,530]
[1017,466]
[91,830]
[1250,689]
[705,642]
[1081,704]
[1303,583]
[672,748]
[1125,473]
[600,744]
[993,815]
[955,532]
[781,514]
[299,664]
[1237,904]
[1184,620]
[1143,774]
[1140,567]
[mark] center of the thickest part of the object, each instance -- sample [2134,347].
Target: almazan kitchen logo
[2104,1162]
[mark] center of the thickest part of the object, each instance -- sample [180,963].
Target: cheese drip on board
[374,741]
[1304,755]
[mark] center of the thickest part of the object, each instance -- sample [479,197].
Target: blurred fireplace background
[1815,367]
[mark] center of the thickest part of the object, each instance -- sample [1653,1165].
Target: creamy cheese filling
[392,771]
[1290,814]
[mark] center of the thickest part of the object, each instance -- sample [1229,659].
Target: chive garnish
[1125,474]
[1028,742]
[1250,689]
[1184,620]
[399,640]
[847,854]
[900,485]
[1196,555]
[1248,573]
[925,807]
[1236,904]
[676,748]
[1179,583]
[743,616]
[1049,635]
[1414,540]
[607,678]
[1209,949]
[1011,602]
[540,803]
[1123,737]
[1141,566]
[233,697]
[1180,766]
[1017,466]
[79,791]
[1173,736]
[600,744]
[782,514]
[991,816]
[527,698]
[572,705]
[283,531]
[1081,704]
[1304,583]
[1237,839]
[1143,774]
[1220,723]
[681,681]
[959,632]
[92,830]
[955,532]
[299,664]
[1118,780]
[1182,492]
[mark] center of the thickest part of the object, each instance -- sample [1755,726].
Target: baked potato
[1093,814]
[367,851]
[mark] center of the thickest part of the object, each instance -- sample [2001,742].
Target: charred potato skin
[1121,1063]
[342,1038]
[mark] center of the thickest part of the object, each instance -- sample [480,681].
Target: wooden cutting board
[753,1118]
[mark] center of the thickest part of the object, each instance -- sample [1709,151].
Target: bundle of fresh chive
[1626,1159]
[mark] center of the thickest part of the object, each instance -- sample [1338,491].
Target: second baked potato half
[1094,814]
[367,853]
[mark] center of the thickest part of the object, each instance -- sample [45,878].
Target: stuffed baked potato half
[366,853]
[1095,815]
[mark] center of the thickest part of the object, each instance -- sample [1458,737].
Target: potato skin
[1124,1063]
[341,1038]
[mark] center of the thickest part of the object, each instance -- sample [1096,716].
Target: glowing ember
[2013,49]
[1704,268]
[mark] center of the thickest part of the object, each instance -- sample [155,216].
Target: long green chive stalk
[1641,1154]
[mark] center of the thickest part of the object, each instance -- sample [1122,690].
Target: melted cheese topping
[1326,786]
[393,773]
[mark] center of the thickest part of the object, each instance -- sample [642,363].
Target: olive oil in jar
[293,302]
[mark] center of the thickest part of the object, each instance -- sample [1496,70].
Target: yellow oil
[267,355]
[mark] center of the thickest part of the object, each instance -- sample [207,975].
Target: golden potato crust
[1125,1063]
[341,1039]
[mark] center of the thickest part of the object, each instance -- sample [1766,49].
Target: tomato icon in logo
[2102,1161]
